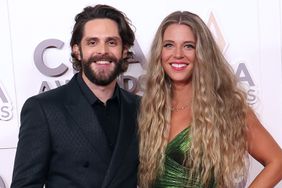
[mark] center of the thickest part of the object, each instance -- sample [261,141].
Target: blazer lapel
[125,137]
[82,113]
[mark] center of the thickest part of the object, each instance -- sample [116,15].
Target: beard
[102,77]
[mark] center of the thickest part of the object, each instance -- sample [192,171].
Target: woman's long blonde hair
[218,129]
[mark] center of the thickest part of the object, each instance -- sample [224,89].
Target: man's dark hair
[102,11]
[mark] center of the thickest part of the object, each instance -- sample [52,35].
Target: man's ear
[125,51]
[76,52]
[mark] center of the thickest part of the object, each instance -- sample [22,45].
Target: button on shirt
[108,114]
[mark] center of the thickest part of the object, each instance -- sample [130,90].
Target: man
[83,134]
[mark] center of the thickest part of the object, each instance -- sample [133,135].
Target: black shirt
[108,114]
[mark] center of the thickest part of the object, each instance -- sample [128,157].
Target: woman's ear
[76,52]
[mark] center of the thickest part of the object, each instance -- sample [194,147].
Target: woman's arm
[264,149]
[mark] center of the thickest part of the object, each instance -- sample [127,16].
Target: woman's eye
[167,45]
[190,46]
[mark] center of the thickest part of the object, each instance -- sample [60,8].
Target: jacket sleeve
[33,150]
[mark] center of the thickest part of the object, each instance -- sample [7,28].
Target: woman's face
[178,53]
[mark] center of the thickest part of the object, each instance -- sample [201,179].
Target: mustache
[103,57]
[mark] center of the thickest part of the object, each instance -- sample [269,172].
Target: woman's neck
[181,94]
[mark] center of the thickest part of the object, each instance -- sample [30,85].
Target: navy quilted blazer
[62,145]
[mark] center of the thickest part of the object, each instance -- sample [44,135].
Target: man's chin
[102,82]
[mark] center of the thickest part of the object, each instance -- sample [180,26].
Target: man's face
[100,51]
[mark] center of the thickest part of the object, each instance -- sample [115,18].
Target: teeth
[178,65]
[102,62]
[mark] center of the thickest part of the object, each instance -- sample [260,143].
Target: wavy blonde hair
[218,128]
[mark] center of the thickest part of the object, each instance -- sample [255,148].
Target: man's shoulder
[53,93]
[130,95]
[57,94]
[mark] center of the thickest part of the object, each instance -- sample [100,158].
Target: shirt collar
[90,96]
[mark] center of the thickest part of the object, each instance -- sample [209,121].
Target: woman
[195,126]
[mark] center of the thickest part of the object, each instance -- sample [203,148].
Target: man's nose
[102,48]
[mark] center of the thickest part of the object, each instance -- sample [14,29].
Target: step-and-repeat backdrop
[35,54]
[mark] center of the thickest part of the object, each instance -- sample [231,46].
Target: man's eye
[92,43]
[112,43]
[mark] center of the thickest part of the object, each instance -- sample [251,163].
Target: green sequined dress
[176,175]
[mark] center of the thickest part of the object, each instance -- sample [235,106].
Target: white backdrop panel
[8,103]
[249,33]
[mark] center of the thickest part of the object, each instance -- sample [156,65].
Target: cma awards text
[131,83]
[5,105]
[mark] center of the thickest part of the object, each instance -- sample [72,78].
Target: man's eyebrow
[113,38]
[90,38]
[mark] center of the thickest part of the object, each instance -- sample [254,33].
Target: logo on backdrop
[217,34]
[130,83]
[43,68]
[247,82]
[241,71]
[5,105]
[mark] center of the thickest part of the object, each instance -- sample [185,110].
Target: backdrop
[35,54]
